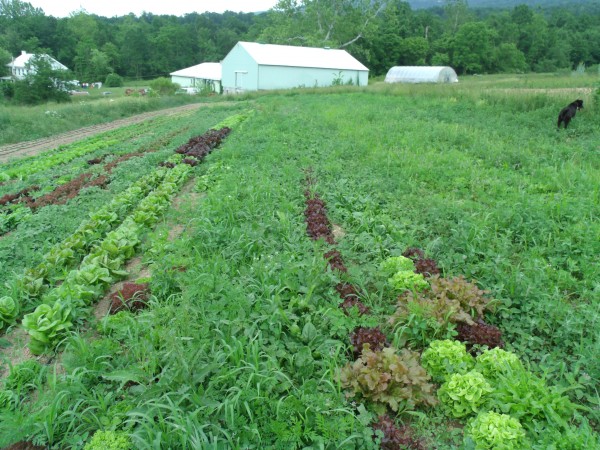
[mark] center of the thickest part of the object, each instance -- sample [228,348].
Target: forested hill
[508,4]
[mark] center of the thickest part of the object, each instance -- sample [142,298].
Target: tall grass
[23,123]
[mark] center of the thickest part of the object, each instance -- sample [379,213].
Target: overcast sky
[111,8]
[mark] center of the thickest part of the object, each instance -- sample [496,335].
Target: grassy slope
[482,180]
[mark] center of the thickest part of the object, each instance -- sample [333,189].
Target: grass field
[243,343]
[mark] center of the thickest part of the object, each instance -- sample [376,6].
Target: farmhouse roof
[292,56]
[205,71]
[24,58]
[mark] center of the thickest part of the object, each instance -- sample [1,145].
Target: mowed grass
[242,342]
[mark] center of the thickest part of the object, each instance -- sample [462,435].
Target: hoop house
[421,74]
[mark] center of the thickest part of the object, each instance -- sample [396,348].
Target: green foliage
[526,397]
[397,380]
[164,86]
[113,80]
[490,430]
[464,394]
[495,362]
[395,264]
[447,300]
[446,357]
[47,326]
[400,273]
[24,376]
[42,84]
[408,281]
[8,311]
[108,440]
[572,437]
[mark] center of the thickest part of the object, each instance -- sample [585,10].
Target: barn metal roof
[205,71]
[292,56]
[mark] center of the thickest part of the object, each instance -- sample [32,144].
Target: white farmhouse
[251,66]
[201,76]
[21,65]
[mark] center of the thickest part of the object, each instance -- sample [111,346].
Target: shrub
[113,80]
[164,86]
[464,394]
[397,380]
[446,357]
[491,430]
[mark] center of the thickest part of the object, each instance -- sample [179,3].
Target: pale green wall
[238,60]
[278,77]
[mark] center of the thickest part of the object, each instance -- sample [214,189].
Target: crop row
[35,282]
[63,305]
[104,263]
[26,167]
[28,288]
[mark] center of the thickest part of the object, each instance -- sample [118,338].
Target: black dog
[568,112]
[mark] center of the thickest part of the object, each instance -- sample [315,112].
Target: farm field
[163,286]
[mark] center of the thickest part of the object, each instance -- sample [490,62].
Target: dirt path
[29,148]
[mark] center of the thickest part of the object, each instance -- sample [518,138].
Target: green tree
[414,51]
[5,58]
[99,67]
[42,84]
[508,58]
[473,48]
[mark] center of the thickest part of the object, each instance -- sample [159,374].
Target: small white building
[251,66]
[421,74]
[21,66]
[201,76]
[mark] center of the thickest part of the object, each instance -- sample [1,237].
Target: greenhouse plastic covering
[421,74]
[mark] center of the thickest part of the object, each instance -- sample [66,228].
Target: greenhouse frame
[421,74]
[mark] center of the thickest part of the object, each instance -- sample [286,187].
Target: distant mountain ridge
[504,4]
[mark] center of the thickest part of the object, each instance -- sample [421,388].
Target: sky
[111,8]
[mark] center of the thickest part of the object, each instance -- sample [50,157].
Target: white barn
[21,66]
[200,76]
[421,74]
[251,66]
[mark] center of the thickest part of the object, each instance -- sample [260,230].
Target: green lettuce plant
[408,281]
[490,430]
[108,440]
[47,326]
[8,311]
[446,357]
[400,272]
[497,361]
[395,264]
[464,394]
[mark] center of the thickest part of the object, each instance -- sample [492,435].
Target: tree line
[379,33]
